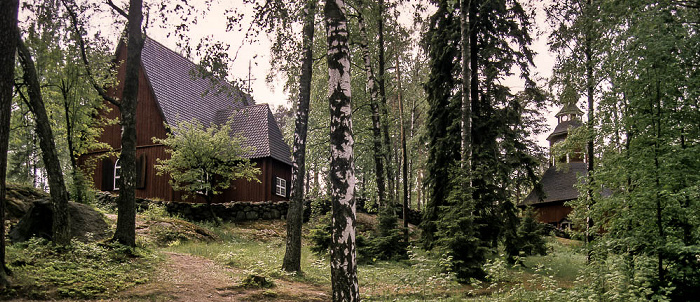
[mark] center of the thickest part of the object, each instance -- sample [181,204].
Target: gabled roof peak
[182,95]
[570,108]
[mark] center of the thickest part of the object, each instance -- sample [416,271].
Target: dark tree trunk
[77,178]
[590,89]
[125,232]
[384,106]
[656,123]
[59,195]
[8,44]
[342,175]
[404,154]
[374,106]
[466,122]
[292,254]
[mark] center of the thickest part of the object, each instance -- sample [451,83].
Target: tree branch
[83,55]
[118,9]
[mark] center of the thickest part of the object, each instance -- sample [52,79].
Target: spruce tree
[468,223]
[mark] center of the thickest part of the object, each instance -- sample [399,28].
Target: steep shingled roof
[558,185]
[180,94]
[563,128]
[257,124]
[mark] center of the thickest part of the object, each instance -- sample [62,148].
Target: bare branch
[83,55]
[117,8]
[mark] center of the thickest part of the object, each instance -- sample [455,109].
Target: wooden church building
[169,92]
[560,179]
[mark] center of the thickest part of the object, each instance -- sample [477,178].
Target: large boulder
[87,224]
[19,199]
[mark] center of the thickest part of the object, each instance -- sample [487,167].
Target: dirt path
[190,278]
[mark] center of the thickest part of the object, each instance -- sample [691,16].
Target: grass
[96,271]
[258,248]
[565,260]
[83,271]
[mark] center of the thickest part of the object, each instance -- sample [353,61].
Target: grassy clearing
[258,248]
[95,271]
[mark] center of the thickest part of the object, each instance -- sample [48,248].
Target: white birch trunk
[342,175]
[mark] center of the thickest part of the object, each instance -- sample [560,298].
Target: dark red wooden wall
[149,124]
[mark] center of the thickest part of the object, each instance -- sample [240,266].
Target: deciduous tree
[204,160]
[342,175]
[8,43]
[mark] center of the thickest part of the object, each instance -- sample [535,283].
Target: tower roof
[563,128]
[569,108]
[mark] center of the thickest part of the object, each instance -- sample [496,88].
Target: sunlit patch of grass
[564,259]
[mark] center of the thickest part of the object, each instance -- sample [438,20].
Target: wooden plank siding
[149,124]
[552,213]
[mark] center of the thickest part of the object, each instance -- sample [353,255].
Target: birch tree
[342,176]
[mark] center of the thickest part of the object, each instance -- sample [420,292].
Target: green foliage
[529,237]
[458,236]
[469,213]
[643,190]
[255,281]
[204,160]
[387,243]
[78,271]
[71,102]
[320,235]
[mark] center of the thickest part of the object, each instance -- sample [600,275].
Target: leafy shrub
[255,281]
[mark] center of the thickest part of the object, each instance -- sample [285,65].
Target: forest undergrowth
[102,271]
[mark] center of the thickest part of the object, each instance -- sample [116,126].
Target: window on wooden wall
[140,173]
[117,174]
[280,187]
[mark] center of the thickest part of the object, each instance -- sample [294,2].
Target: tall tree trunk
[342,174]
[656,123]
[292,255]
[59,195]
[125,232]
[8,44]
[590,89]
[374,106]
[466,122]
[384,106]
[474,77]
[404,154]
[77,179]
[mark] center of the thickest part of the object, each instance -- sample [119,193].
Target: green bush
[388,241]
[320,235]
